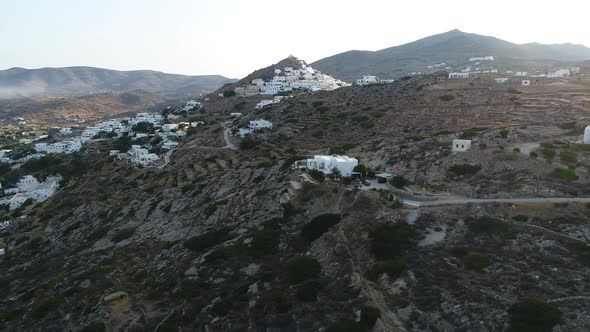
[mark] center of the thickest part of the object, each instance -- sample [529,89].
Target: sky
[235,37]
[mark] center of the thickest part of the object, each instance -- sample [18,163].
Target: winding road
[228,143]
[464,201]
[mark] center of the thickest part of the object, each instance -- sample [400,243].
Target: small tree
[336,174]
[362,169]
[229,93]
[399,181]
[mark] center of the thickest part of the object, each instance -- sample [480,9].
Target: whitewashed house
[459,75]
[169,127]
[30,188]
[502,80]
[169,145]
[461,145]
[326,164]
[260,124]
[263,103]
[235,114]
[278,99]
[587,135]
[140,156]
[197,123]
[367,80]
[526,83]
[65,131]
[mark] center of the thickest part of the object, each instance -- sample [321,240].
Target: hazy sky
[235,37]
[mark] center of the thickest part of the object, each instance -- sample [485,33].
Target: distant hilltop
[453,49]
[18,83]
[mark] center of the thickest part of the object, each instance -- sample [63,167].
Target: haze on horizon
[233,38]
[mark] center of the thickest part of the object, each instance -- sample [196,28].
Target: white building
[526,83]
[326,164]
[65,131]
[67,147]
[263,103]
[260,124]
[30,188]
[459,75]
[235,114]
[278,99]
[559,73]
[169,126]
[461,145]
[139,156]
[587,135]
[367,80]
[197,123]
[502,80]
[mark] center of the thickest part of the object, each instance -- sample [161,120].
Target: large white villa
[326,164]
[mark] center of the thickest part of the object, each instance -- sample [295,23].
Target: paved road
[464,201]
[228,143]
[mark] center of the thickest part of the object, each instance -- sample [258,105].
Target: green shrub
[476,261]
[266,241]
[46,307]
[533,316]
[207,240]
[464,169]
[533,155]
[318,226]
[520,218]
[488,225]
[342,149]
[447,97]
[308,291]
[191,288]
[247,143]
[229,93]
[568,157]
[399,181]
[393,268]
[302,268]
[346,325]
[276,300]
[389,241]
[316,175]
[567,175]
[369,316]
[96,326]
[123,234]
[504,133]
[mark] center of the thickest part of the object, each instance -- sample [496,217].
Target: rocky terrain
[224,240]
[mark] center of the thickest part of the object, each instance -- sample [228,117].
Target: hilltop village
[276,204]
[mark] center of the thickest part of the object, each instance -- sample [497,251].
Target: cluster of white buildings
[191,105]
[140,156]
[289,79]
[327,164]
[254,126]
[28,187]
[369,80]
[482,58]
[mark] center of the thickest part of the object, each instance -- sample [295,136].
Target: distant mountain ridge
[455,48]
[76,81]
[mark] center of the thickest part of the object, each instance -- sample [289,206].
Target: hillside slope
[56,111]
[76,81]
[454,48]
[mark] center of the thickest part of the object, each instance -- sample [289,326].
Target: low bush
[393,268]
[369,316]
[46,307]
[476,261]
[308,291]
[464,169]
[447,97]
[488,225]
[399,181]
[316,175]
[533,316]
[318,226]
[207,240]
[567,175]
[276,300]
[389,241]
[96,326]
[247,143]
[266,241]
[302,268]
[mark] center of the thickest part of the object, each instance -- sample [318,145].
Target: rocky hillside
[454,48]
[76,81]
[57,111]
[235,240]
